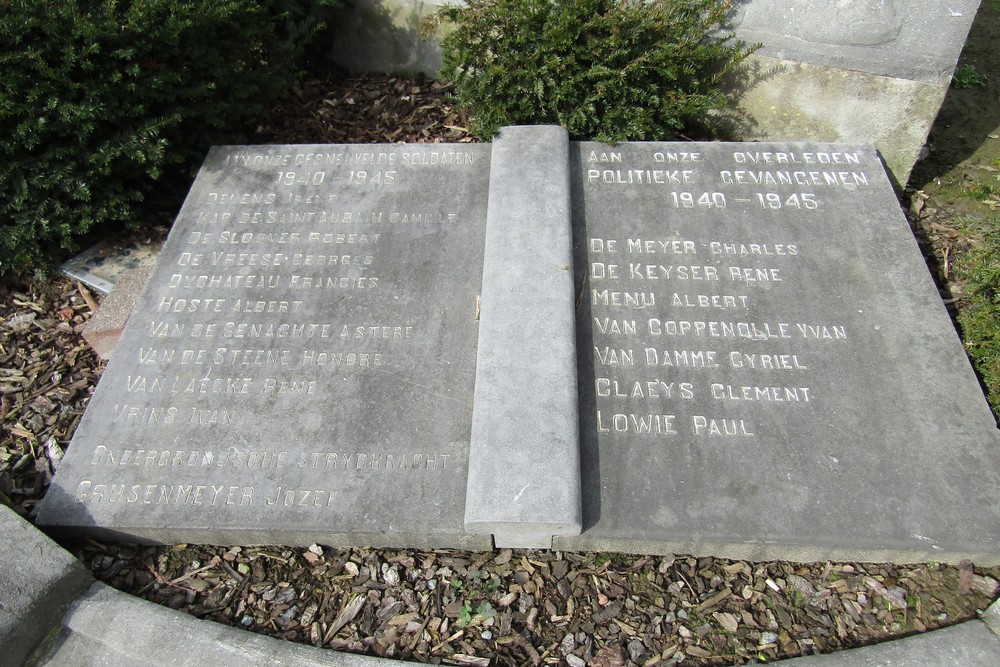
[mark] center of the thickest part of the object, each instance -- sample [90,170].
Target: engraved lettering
[702,425]
[728,392]
[610,388]
[627,299]
[642,424]
[275,386]
[766,361]
[681,358]
[713,329]
[610,357]
[822,331]
[163,494]
[672,247]
[606,325]
[638,271]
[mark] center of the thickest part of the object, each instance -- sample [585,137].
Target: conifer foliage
[100,100]
[610,70]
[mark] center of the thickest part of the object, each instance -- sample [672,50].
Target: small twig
[521,641]
[230,594]
[345,616]
[548,650]
[193,573]
[467,660]
[446,641]
[272,557]
[231,572]
[419,633]
[161,580]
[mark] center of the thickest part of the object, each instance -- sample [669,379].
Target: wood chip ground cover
[529,607]
[521,607]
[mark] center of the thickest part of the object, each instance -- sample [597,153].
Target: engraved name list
[287,349]
[692,319]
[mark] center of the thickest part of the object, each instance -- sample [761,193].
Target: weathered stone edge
[38,582]
[107,627]
[524,458]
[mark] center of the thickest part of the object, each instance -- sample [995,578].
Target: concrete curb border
[39,580]
[52,610]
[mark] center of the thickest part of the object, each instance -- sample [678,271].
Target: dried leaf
[470,660]
[345,616]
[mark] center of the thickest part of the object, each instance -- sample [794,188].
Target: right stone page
[766,367]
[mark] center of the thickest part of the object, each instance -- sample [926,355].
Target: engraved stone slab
[301,366]
[766,368]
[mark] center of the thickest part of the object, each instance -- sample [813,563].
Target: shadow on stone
[968,115]
[590,455]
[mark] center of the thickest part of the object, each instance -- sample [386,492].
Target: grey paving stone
[524,472]
[766,368]
[38,581]
[106,628]
[992,618]
[969,644]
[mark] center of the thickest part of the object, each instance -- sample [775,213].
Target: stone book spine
[524,456]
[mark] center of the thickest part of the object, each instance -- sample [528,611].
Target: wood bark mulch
[523,607]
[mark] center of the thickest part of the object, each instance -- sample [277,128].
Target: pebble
[390,575]
[287,617]
[575,661]
[636,649]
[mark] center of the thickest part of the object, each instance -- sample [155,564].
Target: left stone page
[301,365]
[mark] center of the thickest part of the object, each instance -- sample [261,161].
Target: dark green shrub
[100,99]
[611,70]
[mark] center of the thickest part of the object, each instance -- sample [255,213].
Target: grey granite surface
[918,40]
[38,582]
[301,365]
[766,367]
[524,471]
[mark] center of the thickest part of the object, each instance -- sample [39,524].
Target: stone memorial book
[731,349]
[302,363]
